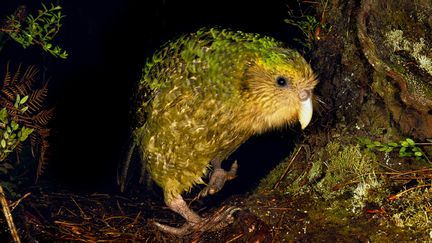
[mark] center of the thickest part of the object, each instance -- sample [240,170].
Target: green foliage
[21,117]
[407,147]
[37,30]
[309,25]
[11,133]
[347,165]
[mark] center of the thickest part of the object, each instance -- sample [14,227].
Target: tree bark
[378,50]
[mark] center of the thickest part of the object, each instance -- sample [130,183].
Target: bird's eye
[281,81]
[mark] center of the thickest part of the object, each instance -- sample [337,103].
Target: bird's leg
[195,223]
[179,206]
[218,177]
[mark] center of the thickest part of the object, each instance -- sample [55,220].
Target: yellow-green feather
[197,106]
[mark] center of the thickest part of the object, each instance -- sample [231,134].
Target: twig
[394,197]
[136,218]
[235,238]
[15,204]
[120,208]
[83,214]
[8,216]
[287,169]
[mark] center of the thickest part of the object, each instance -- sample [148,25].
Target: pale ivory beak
[305,114]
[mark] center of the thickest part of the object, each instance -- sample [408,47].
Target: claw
[218,178]
[222,218]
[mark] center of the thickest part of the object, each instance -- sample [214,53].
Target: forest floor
[329,188]
[67,217]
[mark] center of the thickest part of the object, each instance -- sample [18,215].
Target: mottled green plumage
[206,93]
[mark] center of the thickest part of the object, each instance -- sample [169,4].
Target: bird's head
[278,89]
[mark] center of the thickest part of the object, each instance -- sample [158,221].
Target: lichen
[351,172]
[340,171]
[417,49]
[413,210]
[362,192]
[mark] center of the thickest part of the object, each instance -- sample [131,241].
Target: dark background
[108,43]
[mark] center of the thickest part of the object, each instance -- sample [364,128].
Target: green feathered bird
[203,95]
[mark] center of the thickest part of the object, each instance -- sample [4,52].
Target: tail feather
[123,170]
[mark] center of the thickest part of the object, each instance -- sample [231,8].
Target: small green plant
[36,30]
[309,25]
[11,133]
[407,147]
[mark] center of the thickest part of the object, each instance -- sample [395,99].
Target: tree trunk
[378,50]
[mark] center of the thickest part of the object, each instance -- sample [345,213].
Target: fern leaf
[8,93]
[43,117]
[7,79]
[18,150]
[43,158]
[34,143]
[13,90]
[28,77]
[16,75]
[43,151]
[22,84]
[43,132]
[37,99]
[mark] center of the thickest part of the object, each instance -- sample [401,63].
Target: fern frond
[6,104]
[18,150]
[16,75]
[36,99]
[28,77]
[35,118]
[44,132]
[7,79]
[13,90]
[19,84]
[43,158]
[40,147]
[43,117]
[8,94]
[11,110]
[34,143]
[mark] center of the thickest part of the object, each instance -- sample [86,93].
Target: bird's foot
[218,178]
[222,218]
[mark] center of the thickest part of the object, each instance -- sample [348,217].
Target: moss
[343,192]
[413,210]
[269,182]
[350,174]
[417,49]
[340,171]
[395,37]
[347,166]
[285,178]
[316,172]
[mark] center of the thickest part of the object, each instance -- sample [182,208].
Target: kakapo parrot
[204,94]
